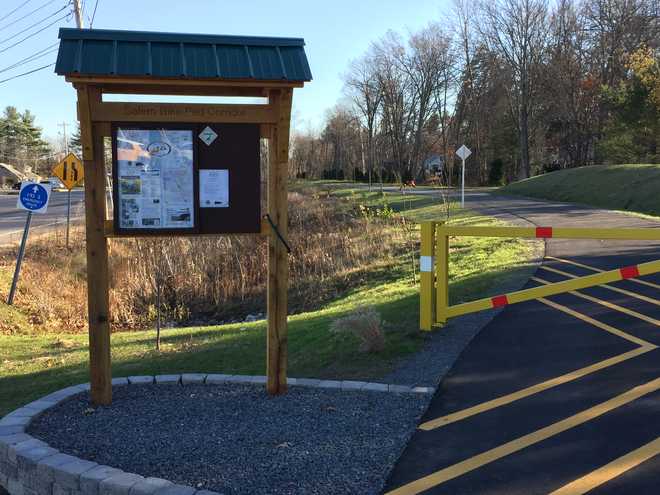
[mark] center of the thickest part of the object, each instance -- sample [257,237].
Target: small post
[158,322]
[441,274]
[426,277]
[463,183]
[19,259]
[68,216]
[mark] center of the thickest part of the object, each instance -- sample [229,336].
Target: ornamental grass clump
[364,323]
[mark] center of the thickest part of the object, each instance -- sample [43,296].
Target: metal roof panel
[266,62]
[132,59]
[200,60]
[194,56]
[96,57]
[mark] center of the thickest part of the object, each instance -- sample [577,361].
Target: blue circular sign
[33,197]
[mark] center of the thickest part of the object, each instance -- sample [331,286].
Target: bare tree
[517,31]
[364,91]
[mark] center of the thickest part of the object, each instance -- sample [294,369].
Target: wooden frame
[96,118]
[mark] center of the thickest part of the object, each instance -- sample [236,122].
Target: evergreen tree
[21,142]
[75,145]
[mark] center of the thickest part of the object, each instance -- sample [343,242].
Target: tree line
[22,144]
[529,86]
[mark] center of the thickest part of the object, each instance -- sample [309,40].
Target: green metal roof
[96,52]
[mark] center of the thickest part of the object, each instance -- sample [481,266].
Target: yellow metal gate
[434,267]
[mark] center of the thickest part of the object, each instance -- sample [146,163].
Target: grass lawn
[35,364]
[634,188]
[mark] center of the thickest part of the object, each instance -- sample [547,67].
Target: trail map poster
[155,176]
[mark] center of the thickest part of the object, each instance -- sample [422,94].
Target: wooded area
[22,144]
[529,85]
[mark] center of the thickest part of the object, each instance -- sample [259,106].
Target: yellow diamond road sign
[70,171]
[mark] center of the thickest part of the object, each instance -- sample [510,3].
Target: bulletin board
[186,179]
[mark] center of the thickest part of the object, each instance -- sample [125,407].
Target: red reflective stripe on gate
[543,232]
[499,301]
[629,272]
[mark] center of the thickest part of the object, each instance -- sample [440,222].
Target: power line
[33,25]
[26,15]
[27,73]
[17,8]
[41,53]
[35,33]
[94,14]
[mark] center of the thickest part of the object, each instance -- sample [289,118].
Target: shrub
[365,324]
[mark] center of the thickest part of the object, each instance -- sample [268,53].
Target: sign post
[71,172]
[34,199]
[463,152]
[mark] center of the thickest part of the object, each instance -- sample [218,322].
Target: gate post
[441,274]
[426,276]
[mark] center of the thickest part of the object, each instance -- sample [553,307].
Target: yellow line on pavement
[609,287]
[427,482]
[594,269]
[607,304]
[534,389]
[611,470]
[596,323]
[553,382]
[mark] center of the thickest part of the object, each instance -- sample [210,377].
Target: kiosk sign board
[186,179]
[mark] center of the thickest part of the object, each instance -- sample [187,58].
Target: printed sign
[155,188]
[208,135]
[214,188]
[70,171]
[33,197]
[463,152]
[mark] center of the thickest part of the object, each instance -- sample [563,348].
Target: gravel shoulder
[235,439]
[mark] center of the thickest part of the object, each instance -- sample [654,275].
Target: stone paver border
[29,466]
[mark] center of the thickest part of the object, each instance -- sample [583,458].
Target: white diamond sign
[463,152]
[208,135]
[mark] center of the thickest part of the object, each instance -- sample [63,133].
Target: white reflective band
[426,263]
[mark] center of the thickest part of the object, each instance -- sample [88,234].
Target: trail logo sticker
[159,149]
[208,135]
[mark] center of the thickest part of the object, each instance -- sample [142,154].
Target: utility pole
[66,139]
[78,11]
[68,197]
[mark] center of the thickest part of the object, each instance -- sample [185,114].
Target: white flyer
[214,188]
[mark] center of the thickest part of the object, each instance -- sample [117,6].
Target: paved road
[554,396]
[12,220]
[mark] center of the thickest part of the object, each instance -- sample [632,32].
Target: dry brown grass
[334,245]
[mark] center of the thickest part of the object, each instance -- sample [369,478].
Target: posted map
[155,178]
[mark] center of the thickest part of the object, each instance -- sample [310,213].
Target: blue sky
[335,32]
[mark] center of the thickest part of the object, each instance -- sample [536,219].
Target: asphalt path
[12,219]
[554,396]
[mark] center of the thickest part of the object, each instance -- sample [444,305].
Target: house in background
[434,163]
[9,175]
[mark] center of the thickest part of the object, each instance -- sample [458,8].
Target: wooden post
[441,274]
[278,263]
[98,304]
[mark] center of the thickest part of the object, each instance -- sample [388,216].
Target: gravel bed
[234,439]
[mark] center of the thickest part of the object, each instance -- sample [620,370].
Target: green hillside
[615,187]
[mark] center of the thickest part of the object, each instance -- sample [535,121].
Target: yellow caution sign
[70,171]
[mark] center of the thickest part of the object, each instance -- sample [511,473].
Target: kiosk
[183,168]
